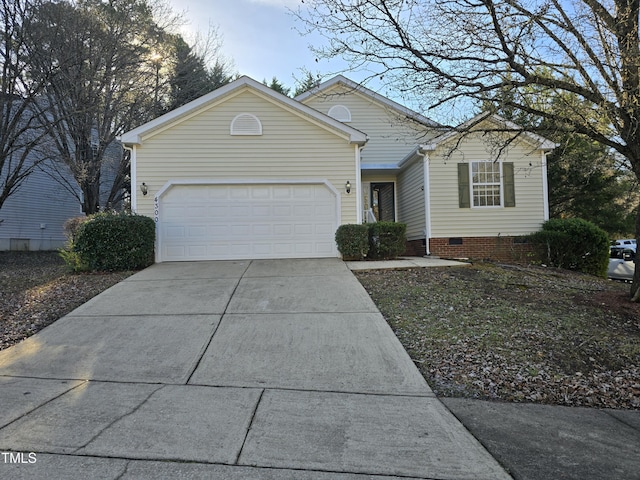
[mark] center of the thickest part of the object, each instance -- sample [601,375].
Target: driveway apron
[271,369]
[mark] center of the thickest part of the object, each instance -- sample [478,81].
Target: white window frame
[473,184]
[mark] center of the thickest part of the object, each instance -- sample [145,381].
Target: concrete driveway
[279,369]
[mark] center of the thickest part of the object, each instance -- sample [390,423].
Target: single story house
[245,172]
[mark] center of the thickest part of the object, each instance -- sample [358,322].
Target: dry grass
[516,333]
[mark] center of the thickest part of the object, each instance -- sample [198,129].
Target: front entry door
[383,201]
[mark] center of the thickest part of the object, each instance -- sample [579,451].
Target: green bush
[110,242]
[353,241]
[574,244]
[387,239]
[72,225]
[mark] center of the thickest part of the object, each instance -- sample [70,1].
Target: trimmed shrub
[353,241]
[72,225]
[574,244]
[387,240]
[111,242]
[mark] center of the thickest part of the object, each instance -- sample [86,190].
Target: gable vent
[340,113]
[246,124]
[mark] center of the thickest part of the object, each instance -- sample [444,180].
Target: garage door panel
[261,193]
[197,251]
[260,211]
[281,193]
[239,193]
[261,229]
[325,248]
[198,232]
[324,230]
[198,222]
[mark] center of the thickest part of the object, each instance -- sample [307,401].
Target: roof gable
[501,124]
[340,80]
[135,136]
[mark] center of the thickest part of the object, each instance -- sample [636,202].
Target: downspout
[358,185]
[134,190]
[545,186]
[427,198]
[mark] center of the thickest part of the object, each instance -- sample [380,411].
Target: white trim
[545,186]
[426,163]
[134,178]
[339,79]
[468,126]
[135,136]
[484,207]
[238,181]
[359,192]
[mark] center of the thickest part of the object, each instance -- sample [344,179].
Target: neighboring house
[245,172]
[34,216]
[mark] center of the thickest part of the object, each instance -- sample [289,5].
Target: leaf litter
[516,333]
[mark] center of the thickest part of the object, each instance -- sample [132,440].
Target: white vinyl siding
[292,146]
[411,200]
[448,219]
[391,135]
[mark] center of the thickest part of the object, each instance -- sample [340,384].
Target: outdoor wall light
[347,187]
[144,189]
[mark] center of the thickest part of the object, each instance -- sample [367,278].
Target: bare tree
[103,85]
[20,129]
[442,51]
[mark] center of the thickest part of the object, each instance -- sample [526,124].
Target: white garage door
[211,222]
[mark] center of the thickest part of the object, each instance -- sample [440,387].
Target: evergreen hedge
[353,241]
[380,240]
[574,244]
[112,242]
[387,240]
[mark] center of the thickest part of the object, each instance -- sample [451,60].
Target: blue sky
[259,36]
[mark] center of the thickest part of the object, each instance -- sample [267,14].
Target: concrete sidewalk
[403,263]
[231,370]
[537,442]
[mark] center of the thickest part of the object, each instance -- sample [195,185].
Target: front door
[383,201]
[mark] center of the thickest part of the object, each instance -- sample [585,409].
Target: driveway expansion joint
[249,426]
[206,347]
[81,382]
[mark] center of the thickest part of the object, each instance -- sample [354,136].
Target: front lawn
[36,289]
[515,333]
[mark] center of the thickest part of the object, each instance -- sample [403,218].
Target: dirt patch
[516,333]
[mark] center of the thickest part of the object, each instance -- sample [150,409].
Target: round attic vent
[246,124]
[340,113]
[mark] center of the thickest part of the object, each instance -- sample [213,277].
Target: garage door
[211,222]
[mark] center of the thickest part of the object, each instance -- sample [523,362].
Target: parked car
[627,243]
[621,263]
